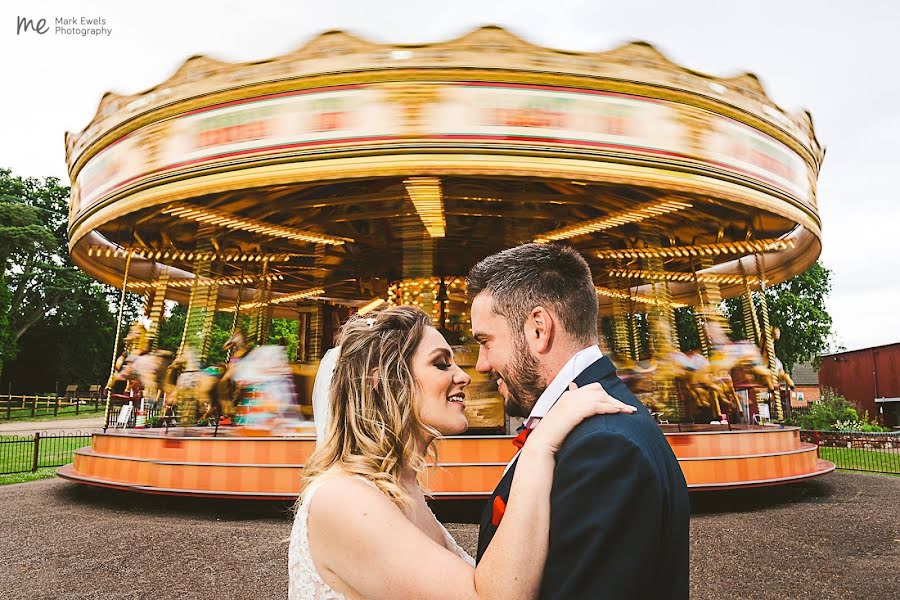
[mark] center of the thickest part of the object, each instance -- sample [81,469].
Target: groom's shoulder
[598,438]
[603,431]
[600,369]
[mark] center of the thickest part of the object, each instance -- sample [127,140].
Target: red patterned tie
[519,440]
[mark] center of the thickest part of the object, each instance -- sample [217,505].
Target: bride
[362,527]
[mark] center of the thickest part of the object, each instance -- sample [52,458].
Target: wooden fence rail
[25,406]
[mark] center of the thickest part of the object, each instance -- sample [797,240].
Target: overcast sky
[840,62]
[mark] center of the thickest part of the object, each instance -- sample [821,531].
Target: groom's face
[504,354]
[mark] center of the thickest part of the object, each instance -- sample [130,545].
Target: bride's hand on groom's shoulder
[573,407]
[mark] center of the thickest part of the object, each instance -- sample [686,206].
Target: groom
[619,505]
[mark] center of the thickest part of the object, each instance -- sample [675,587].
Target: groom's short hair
[530,275]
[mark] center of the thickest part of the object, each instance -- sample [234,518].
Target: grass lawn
[17,453]
[42,473]
[861,459]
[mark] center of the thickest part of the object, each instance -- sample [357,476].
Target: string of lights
[636,215]
[280,299]
[208,281]
[190,255]
[610,293]
[744,247]
[223,219]
[725,278]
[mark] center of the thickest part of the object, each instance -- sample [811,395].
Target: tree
[57,325]
[686,329]
[72,344]
[28,241]
[59,321]
[171,328]
[284,333]
[797,308]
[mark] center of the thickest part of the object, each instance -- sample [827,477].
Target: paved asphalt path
[833,538]
[93,424]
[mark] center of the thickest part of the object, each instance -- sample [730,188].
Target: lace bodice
[304,581]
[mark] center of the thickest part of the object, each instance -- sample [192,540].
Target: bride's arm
[365,540]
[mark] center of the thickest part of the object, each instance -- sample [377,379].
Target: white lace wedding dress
[304,581]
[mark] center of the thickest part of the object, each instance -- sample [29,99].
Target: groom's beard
[524,382]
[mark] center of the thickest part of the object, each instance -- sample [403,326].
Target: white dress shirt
[580,361]
[570,371]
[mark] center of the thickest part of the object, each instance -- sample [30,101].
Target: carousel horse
[740,356]
[142,369]
[212,407]
[698,379]
[668,367]
[136,337]
[135,342]
[266,381]
[190,390]
[733,363]
[706,382]
[150,368]
[228,391]
[238,345]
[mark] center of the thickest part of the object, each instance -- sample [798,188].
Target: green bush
[834,413]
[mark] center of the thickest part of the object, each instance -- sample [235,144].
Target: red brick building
[870,378]
[806,385]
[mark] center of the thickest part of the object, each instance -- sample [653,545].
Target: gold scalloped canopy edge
[489,34]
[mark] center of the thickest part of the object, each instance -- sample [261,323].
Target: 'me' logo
[23,25]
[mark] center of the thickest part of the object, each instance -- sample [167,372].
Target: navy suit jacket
[619,510]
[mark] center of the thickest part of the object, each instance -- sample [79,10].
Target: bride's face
[440,397]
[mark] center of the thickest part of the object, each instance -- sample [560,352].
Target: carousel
[349,175]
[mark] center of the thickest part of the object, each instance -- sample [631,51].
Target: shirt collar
[580,361]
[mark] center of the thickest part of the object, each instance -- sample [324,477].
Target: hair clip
[370,322]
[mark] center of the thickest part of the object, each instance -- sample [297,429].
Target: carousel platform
[192,462]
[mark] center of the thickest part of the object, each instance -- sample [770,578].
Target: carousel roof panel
[488,47]
[348,164]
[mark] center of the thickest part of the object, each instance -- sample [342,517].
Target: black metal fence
[14,407]
[19,453]
[858,451]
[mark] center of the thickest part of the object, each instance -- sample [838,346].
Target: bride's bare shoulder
[342,496]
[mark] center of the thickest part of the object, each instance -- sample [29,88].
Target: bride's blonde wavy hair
[375,429]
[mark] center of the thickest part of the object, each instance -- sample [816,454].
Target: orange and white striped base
[469,467]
